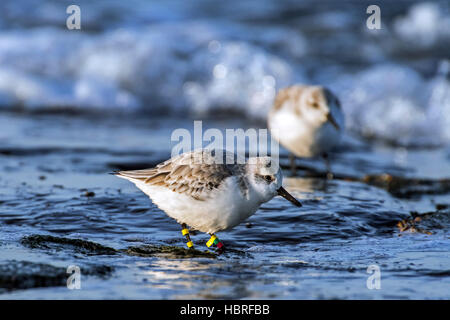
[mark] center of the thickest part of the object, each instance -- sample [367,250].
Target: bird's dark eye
[315,105]
[268,178]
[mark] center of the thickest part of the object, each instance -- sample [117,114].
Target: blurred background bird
[308,121]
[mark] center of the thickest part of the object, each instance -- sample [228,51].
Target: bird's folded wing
[196,179]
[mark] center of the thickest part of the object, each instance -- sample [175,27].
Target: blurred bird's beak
[282,192]
[332,120]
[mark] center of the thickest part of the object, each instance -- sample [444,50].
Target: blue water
[319,251]
[75,105]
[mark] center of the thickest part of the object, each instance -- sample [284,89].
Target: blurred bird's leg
[328,166]
[216,242]
[292,164]
[185,232]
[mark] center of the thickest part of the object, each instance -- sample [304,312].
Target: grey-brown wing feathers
[179,175]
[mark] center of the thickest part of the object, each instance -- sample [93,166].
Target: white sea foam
[425,25]
[396,104]
[171,59]
[180,67]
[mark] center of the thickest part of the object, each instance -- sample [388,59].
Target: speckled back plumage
[194,173]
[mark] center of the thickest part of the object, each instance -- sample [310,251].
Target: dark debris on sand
[399,187]
[24,275]
[165,251]
[408,187]
[92,248]
[15,275]
[59,243]
[424,222]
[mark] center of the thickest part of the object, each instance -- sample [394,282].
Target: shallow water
[54,182]
[75,105]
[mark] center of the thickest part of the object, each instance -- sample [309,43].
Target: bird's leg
[216,242]
[328,166]
[292,164]
[185,232]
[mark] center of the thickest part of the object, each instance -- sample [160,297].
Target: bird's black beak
[332,120]
[282,192]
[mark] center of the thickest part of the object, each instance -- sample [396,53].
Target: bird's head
[318,103]
[264,175]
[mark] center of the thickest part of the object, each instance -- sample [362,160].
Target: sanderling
[210,191]
[307,120]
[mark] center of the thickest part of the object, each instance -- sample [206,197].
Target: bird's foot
[214,241]
[185,232]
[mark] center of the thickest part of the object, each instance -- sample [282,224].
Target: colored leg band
[211,241]
[185,232]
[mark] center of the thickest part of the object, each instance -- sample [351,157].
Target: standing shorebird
[308,121]
[210,191]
